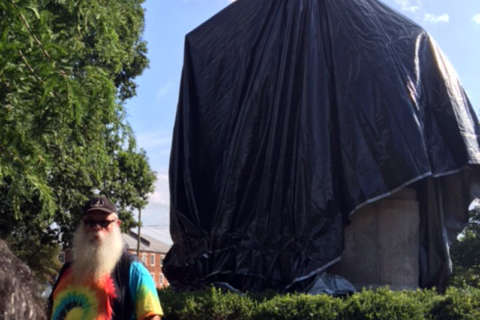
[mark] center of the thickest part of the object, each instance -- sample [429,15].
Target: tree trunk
[138,233]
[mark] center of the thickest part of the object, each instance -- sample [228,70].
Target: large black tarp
[293,114]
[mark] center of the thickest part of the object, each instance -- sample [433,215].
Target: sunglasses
[101,223]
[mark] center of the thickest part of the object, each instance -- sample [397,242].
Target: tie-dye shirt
[97,300]
[143,292]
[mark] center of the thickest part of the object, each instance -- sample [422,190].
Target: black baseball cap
[99,204]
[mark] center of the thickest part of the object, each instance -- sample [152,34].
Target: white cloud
[156,215]
[158,232]
[161,195]
[155,139]
[476,18]
[429,17]
[157,211]
[409,5]
[164,90]
[157,144]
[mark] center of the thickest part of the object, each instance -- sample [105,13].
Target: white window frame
[152,259]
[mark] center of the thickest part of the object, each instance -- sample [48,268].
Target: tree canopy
[465,253]
[66,68]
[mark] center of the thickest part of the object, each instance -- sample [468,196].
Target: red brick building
[152,253]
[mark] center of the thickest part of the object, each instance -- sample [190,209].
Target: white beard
[93,259]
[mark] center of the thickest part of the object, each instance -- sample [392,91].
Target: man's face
[98,226]
[97,245]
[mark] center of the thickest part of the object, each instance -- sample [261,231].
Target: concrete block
[382,244]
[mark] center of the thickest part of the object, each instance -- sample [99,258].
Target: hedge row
[380,304]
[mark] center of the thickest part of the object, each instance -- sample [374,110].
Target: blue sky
[455,25]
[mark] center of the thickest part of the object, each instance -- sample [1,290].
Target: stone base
[19,290]
[382,244]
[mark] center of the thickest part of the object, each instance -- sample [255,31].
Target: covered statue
[292,115]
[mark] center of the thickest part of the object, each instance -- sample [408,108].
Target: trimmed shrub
[299,307]
[380,304]
[383,304]
[209,304]
[457,304]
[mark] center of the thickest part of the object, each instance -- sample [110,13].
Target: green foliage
[66,67]
[43,261]
[368,304]
[465,254]
[205,305]
[383,304]
[458,304]
[299,307]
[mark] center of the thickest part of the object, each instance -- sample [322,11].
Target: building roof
[147,243]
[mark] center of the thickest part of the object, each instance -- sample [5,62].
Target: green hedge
[380,304]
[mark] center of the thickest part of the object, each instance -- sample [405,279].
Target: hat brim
[100,210]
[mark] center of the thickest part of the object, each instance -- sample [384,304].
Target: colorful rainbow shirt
[97,300]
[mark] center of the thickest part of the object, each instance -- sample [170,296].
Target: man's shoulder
[66,267]
[130,265]
[136,266]
[127,255]
[123,266]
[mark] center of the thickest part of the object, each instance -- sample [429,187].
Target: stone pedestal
[382,244]
[19,291]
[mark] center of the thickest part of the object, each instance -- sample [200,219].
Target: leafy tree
[466,254]
[66,68]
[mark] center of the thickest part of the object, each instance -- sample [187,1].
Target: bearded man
[103,282]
